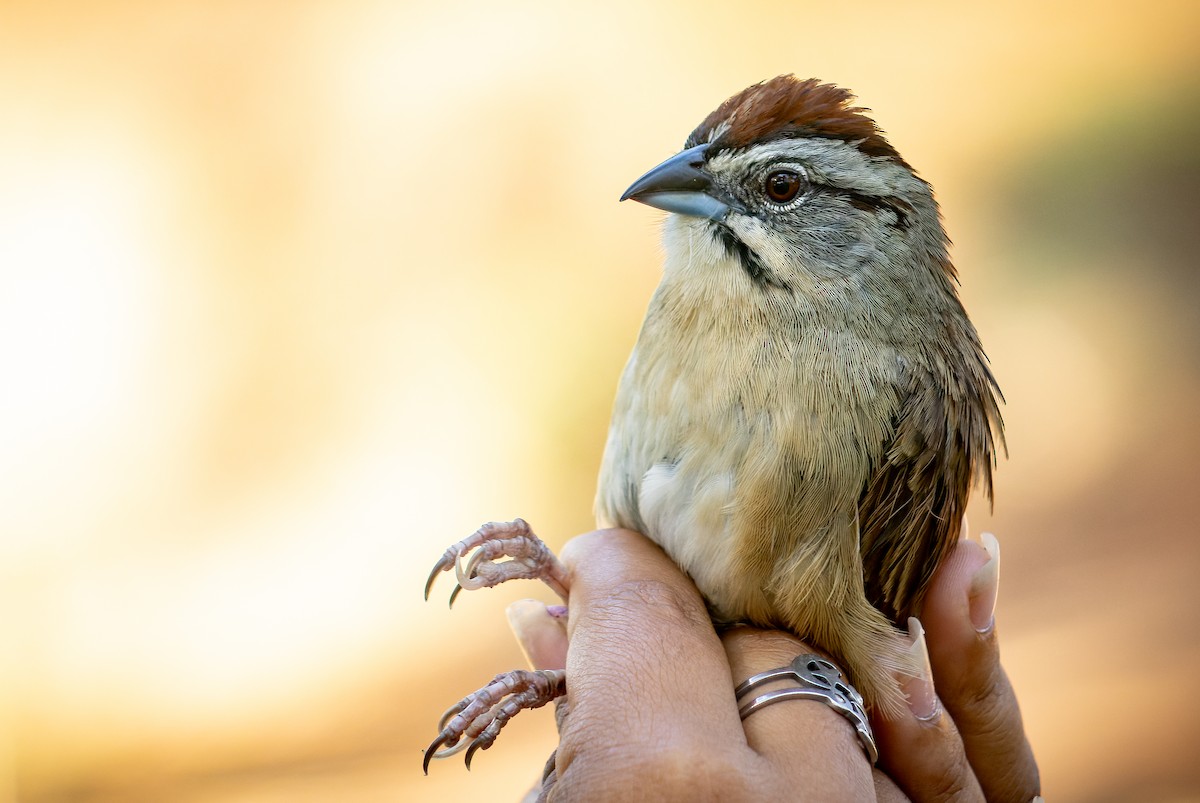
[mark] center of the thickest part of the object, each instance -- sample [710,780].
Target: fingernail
[541,634]
[922,698]
[985,585]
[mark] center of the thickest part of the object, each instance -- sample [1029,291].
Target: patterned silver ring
[819,680]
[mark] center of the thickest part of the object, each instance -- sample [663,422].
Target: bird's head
[800,186]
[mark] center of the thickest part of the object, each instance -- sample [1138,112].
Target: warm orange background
[293,295]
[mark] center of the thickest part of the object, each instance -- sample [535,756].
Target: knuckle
[666,599]
[666,773]
[987,702]
[954,791]
[977,690]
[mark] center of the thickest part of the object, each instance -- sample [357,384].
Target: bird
[807,407]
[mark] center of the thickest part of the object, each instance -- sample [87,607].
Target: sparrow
[807,406]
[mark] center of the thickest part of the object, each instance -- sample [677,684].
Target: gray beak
[681,185]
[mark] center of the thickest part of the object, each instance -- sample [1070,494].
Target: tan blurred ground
[292,295]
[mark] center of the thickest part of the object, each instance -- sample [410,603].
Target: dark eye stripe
[875,203]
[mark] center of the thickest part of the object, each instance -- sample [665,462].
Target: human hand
[650,711]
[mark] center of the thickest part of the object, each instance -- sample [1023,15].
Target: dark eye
[782,185]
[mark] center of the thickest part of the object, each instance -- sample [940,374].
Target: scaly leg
[530,559]
[480,716]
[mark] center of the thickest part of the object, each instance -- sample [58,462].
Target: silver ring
[819,680]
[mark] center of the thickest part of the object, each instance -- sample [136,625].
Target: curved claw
[440,567]
[454,594]
[428,758]
[466,574]
[450,713]
[473,562]
[477,744]
[431,752]
[473,723]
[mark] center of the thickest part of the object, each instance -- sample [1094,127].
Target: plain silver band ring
[819,680]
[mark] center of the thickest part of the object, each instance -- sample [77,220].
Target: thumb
[541,630]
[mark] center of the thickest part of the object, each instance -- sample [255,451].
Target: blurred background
[294,295]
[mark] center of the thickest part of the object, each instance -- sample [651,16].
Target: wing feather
[911,509]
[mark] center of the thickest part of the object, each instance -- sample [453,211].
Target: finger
[809,745]
[921,749]
[541,630]
[965,657]
[646,671]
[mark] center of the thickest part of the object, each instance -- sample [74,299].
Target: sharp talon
[464,575]
[438,569]
[450,712]
[474,562]
[439,749]
[454,594]
[479,561]
[432,750]
[475,745]
[473,723]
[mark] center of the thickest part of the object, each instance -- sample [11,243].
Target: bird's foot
[529,558]
[474,722]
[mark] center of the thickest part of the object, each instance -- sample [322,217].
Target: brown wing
[911,509]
